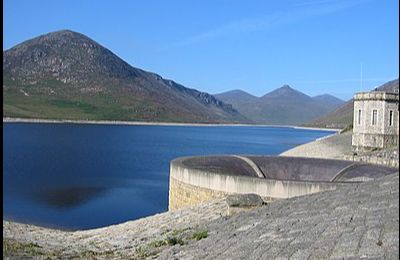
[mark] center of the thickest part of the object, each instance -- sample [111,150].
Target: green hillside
[66,75]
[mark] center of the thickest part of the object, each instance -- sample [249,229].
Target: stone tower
[376,120]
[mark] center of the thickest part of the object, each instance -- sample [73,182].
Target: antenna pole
[361,74]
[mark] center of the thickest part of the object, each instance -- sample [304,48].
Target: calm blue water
[74,176]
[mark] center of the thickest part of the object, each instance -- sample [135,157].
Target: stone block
[243,202]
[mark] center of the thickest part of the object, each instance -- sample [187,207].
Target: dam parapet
[195,180]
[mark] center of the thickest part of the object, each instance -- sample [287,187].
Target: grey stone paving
[332,147]
[353,222]
[361,221]
[132,239]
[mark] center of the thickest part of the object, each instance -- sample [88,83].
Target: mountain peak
[65,74]
[286,89]
[64,36]
[235,92]
[286,86]
[63,32]
[236,97]
[65,55]
[286,92]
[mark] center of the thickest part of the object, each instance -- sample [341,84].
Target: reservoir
[81,176]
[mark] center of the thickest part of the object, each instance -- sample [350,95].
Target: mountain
[236,97]
[66,75]
[329,100]
[343,116]
[390,86]
[339,118]
[282,106]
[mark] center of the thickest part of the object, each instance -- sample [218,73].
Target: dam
[194,180]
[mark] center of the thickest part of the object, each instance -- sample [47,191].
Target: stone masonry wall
[182,195]
[388,157]
[381,134]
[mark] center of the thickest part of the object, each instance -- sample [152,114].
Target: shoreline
[149,238]
[139,123]
[336,130]
[117,122]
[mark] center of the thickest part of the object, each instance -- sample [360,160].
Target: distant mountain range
[66,75]
[283,106]
[343,116]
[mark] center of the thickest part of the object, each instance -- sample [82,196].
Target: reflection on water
[65,198]
[85,176]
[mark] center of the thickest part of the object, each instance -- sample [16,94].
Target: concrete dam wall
[195,180]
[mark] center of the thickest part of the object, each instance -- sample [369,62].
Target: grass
[67,104]
[199,235]
[78,108]
[179,231]
[89,254]
[174,240]
[17,250]
[175,237]
[83,107]
[50,99]
[13,247]
[171,238]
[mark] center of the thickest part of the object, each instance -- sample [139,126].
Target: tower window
[390,117]
[374,116]
[359,116]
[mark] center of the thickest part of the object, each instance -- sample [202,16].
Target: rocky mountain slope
[328,100]
[283,106]
[343,116]
[66,75]
[236,98]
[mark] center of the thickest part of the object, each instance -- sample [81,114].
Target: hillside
[329,100]
[343,116]
[283,106]
[66,75]
[236,97]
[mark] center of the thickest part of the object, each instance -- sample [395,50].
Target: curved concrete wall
[190,186]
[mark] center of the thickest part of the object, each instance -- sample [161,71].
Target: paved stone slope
[338,146]
[141,238]
[354,221]
[331,147]
[361,221]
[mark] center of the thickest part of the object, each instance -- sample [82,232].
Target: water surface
[77,176]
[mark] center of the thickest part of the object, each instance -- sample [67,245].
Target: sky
[316,46]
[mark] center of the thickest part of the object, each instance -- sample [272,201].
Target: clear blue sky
[315,46]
